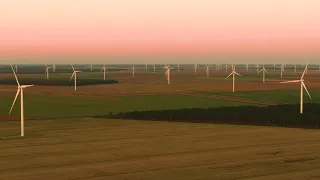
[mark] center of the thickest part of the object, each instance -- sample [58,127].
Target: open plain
[65,139]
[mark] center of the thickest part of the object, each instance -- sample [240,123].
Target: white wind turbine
[302,85]
[218,67]
[263,73]
[258,68]
[75,77]
[154,68]
[104,69]
[295,68]
[133,70]
[168,74]
[54,68]
[233,76]
[207,70]
[274,67]
[226,67]
[146,66]
[90,66]
[247,66]
[47,71]
[195,68]
[178,66]
[20,89]
[281,70]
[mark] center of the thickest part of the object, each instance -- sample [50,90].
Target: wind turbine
[146,66]
[218,67]
[104,69]
[168,74]
[302,85]
[274,67]
[295,68]
[226,67]
[133,70]
[90,66]
[154,68]
[263,72]
[179,67]
[281,70]
[247,66]
[195,68]
[47,71]
[207,70]
[258,68]
[54,68]
[75,77]
[20,89]
[233,76]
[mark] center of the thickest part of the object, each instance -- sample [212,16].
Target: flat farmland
[127,149]
[66,139]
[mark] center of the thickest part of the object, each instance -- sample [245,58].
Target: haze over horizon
[159,31]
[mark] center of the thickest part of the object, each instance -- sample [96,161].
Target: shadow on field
[56,82]
[274,115]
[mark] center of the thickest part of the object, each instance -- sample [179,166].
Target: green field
[68,106]
[281,96]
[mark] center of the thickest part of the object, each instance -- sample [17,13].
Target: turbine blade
[304,72]
[237,73]
[15,75]
[71,76]
[72,67]
[306,89]
[228,76]
[293,81]
[14,101]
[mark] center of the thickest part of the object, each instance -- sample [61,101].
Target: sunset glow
[159,27]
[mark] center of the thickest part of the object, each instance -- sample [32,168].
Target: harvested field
[119,149]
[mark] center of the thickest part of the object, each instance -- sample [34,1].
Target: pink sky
[158,27]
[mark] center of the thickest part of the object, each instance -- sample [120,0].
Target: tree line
[275,115]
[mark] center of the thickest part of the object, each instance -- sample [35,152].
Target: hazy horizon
[159,31]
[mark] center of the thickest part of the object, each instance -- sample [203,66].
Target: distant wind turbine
[302,86]
[168,74]
[90,66]
[233,73]
[247,66]
[20,89]
[195,68]
[295,68]
[133,70]
[281,70]
[226,67]
[47,71]
[154,68]
[258,68]
[54,68]
[263,73]
[75,77]
[104,69]
[146,66]
[178,66]
[207,70]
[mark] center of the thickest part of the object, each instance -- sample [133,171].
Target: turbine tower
[233,73]
[154,68]
[302,86]
[104,69]
[263,73]
[281,70]
[47,71]
[54,68]
[168,74]
[146,66]
[90,66]
[133,70]
[20,90]
[179,67]
[75,77]
[207,70]
[195,68]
